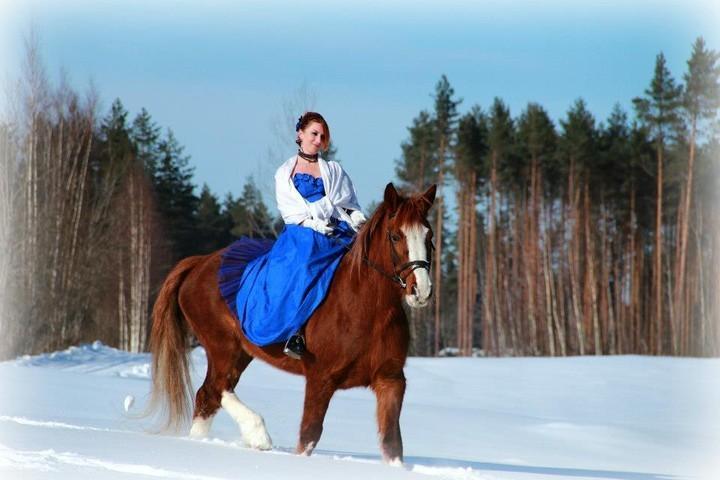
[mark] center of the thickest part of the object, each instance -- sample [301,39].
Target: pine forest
[581,236]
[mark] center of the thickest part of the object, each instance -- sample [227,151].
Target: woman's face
[312,138]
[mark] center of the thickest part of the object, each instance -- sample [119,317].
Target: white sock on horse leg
[201,426]
[252,425]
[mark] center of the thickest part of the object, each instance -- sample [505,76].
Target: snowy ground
[62,417]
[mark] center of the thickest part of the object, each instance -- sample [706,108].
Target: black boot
[295,346]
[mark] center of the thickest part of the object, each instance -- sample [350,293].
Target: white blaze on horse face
[252,425]
[415,236]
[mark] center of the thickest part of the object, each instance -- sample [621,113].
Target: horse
[358,336]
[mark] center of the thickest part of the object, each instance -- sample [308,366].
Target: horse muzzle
[420,290]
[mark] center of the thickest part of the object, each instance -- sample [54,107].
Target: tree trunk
[684,215]
[462,258]
[472,260]
[657,256]
[590,274]
[437,280]
[574,260]
[490,297]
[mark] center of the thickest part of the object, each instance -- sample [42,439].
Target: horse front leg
[318,393]
[390,392]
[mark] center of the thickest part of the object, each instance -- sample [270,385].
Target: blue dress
[274,287]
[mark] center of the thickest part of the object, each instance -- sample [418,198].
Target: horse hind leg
[207,401]
[206,407]
[218,391]
[252,425]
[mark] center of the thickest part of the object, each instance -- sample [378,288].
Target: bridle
[401,272]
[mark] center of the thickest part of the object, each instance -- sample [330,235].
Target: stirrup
[295,346]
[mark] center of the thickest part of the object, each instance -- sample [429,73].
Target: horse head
[397,242]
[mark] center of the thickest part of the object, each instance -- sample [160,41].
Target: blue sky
[221,73]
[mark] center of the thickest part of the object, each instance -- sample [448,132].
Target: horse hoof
[305,451]
[200,427]
[259,440]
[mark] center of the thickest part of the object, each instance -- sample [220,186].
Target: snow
[128,403]
[72,414]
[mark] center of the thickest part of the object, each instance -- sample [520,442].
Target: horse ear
[429,194]
[429,197]
[392,198]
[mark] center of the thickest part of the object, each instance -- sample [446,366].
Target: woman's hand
[357,218]
[320,226]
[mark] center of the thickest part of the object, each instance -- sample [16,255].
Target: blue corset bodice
[311,188]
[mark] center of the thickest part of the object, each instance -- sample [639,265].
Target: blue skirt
[274,287]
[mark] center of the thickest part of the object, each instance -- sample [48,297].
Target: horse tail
[171,387]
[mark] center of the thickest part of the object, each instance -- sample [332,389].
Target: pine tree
[417,168]
[118,150]
[705,238]
[577,150]
[659,110]
[114,128]
[445,118]
[613,162]
[416,171]
[229,204]
[502,146]
[503,171]
[176,201]
[211,225]
[130,219]
[470,151]
[145,135]
[536,142]
[578,140]
[700,102]
[250,215]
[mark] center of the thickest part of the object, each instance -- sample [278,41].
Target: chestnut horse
[358,336]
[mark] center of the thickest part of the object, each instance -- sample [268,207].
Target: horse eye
[395,237]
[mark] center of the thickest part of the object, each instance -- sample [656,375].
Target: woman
[282,283]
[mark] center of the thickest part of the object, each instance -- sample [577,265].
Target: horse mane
[361,246]
[408,211]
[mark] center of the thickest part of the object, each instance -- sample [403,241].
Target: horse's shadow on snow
[430,462]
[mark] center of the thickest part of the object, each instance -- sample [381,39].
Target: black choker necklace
[309,158]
